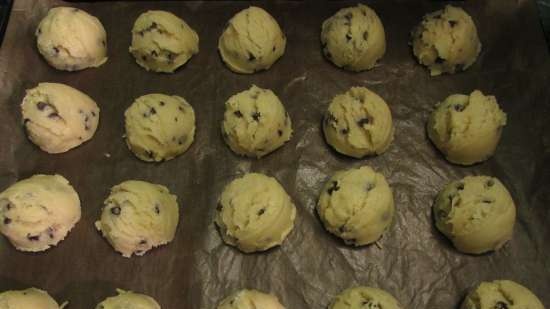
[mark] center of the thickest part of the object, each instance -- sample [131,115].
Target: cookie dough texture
[356,205]
[252,41]
[353,38]
[71,39]
[501,294]
[467,128]
[363,297]
[476,213]
[58,117]
[250,299]
[128,300]
[38,212]
[255,213]
[358,123]
[31,298]
[159,127]
[255,122]
[446,41]
[138,216]
[162,42]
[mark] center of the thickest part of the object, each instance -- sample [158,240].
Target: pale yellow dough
[250,299]
[159,127]
[501,294]
[138,216]
[128,300]
[38,212]
[354,38]
[71,39]
[356,205]
[358,123]
[252,41]
[31,298]
[467,129]
[162,42]
[363,297]
[255,213]
[476,213]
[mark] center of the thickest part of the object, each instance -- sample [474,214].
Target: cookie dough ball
[159,127]
[363,297]
[255,213]
[501,294]
[255,122]
[71,39]
[356,205]
[252,41]
[162,42]
[476,213]
[38,212]
[353,38]
[446,41]
[466,129]
[128,300]
[138,216]
[28,299]
[58,117]
[248,299]
[358,123]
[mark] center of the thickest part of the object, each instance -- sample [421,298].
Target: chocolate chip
[56,50]
[39,31]
[93,114]
[460,186]
[348,37]
[365,35]
[487,201]
[8,206]
[145,115]
[142,242]
[453,23]
[170,57]
[342,229]
[7,220]
[490,183]
[157,209]
[333,188]
[144,57]
[154,53]
[500,305]
[348,16]
[33,237]
[261,211]
[86,127]
[153,25]
[162,103]
[439,60]
[86,119]
[363,121]
[458,107]
[256,116]
[327,53]
[181,109]
[274,48]
[50,231]
[53,115]
[176,119]
[153,111]
[238,114]
[329,117]
[370,186]
[181,140]
[150,154]
[103,43]
[251,57]
[219,207]
[280,132]
[344,131]
[116,210]
[26,120]
[41,105]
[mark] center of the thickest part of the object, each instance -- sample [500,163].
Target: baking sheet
[412,261]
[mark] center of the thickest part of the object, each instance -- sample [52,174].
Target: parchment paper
[412,261]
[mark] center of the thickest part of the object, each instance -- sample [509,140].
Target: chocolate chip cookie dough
[501,294]
[356,205]
[252,41]
[31,298]
[363,297]
[128,300]
[159,127]
[71,39]
[358,123]
[138,216]
[353,38]
[446,41]
[476,213]
[38,212]
[467,128]
[58,117]
[162,42]
[255,122]
[255,213]
[247,299]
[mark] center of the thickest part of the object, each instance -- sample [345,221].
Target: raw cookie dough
[138,216]
[71,39]
[358,123]
[159,127]
[250,299]
[252,41]
[363,297]
[255,213]
[446,41]
[501,294]
[58,117]
[31,298]
[38,212]
[162,42]
[356,205]
[255,122]
[353,38]
[466,129]
[128,300]
[476,213]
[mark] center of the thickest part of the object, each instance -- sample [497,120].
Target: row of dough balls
[358,123]
[446,41]
[254,212]
[498,294]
